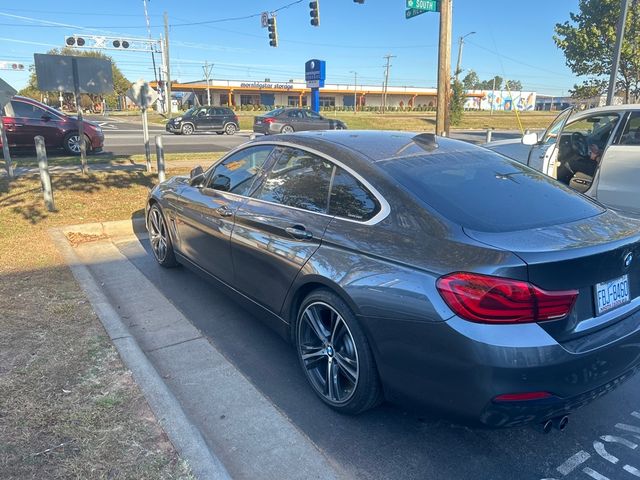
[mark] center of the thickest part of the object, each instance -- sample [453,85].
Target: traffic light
[120,44]
[272,26]
[358,1]
[73,41]
[315,13]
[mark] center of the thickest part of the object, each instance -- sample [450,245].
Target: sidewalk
[218,421]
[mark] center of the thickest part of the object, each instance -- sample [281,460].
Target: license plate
[612,294]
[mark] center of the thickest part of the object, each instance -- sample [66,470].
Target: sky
[513,39]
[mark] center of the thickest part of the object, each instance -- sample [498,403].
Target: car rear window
[274,113]
[483,191]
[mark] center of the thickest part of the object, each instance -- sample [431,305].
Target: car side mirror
[222,183]
[196,176]
[530,138]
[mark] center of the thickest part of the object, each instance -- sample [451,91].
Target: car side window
[237,173]
[350,199]
[218,111]
[631,134]
[312,115]
[26,110]
[298,179]
[201,113]
[295,114]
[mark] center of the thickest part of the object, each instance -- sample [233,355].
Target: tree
[120,82]
[471,80]
[589,89]
[514,85]
[588,39]
[456,106]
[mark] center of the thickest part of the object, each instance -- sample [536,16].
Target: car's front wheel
[159,237]
[71,143]
[187,129]
[335,355]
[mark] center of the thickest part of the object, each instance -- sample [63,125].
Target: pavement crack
[174,344]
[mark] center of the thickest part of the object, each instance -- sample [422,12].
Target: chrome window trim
[385,208]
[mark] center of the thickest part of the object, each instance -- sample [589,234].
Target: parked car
[416,269]
[289,120]
[25,119]
[205,119]
[596,152]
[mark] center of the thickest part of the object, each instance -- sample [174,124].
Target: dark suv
[25,118]
[205,119]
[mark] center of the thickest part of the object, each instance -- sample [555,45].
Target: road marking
[594,474]
[620,440]
[632,470]
[627,428]
[600,450]
[572,462]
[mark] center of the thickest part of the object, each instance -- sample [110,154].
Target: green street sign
[413,12]
[425,5]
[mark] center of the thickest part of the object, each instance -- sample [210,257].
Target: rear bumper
[459,367]
[264,128]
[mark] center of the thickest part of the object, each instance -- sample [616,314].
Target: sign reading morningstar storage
[315,73]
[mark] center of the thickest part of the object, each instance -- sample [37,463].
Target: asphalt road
[601,441]
[124,137]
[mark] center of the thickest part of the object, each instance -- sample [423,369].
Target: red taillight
[268,120]
[522,397]
[487,299]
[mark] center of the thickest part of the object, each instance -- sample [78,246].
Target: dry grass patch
[68,407]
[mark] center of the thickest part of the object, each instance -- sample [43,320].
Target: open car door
[543,154]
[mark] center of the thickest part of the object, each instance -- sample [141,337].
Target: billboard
[56,73]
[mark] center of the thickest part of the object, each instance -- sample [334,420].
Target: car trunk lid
[580,255]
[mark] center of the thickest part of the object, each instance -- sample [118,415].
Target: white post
[45,178]
[160,158]
[145,136]
[5,148]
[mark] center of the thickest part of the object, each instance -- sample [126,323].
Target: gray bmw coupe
[416,269]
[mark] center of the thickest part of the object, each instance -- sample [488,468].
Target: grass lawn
[68,406]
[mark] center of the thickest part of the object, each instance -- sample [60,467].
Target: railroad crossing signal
[106,42]
[315,13]
[272,26]
[16,67]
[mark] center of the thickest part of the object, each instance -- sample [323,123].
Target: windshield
[486,192]
[190,112]
[551,135]
[274,113]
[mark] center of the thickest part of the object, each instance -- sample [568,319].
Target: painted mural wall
[501,100]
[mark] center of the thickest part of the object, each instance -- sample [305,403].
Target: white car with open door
[596,152]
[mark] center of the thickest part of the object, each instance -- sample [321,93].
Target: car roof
[609,108]
[374,145]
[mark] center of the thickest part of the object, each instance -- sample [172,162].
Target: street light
[460,44]
[355,91]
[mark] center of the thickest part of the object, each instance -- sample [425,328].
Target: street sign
[64,73]
[6,92]
[142,94]
[264,19]
[413,12]
[315,73]
[425,5]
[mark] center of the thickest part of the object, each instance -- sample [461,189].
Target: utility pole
[624,6]
[167,67]
[386,81]
[355,91]
[206,68]
[460,45]
[153,57]
[444,69]
[493,94]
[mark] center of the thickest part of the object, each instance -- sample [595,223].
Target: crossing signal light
[358,1]
[73,41]
[315,13]
[120,44]
[272,26]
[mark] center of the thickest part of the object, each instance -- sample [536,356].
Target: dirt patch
[68,406]
[78,238]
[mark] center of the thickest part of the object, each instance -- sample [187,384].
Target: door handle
[224,211]
[299,232]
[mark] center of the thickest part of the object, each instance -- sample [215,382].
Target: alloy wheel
[158,234]
[328,352]
[73,142]
[230,129]
[287,129]
[187,129]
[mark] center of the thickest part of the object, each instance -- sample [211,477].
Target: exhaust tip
[547,426]
[561,422]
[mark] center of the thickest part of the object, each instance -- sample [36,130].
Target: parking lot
[388,442]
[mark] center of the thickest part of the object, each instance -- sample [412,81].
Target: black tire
[287,129]
[71,143]
[230,128]
[187,129]
[355,386]
[160,238]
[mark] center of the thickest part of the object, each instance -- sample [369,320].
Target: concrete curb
[183,434]
[109,229]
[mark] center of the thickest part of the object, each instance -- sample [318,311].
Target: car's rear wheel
[335,355]
[160,239]
[287,129]
[71,143]
[187,129]
[230,129]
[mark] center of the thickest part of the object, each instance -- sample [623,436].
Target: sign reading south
[425,5]
[315,73]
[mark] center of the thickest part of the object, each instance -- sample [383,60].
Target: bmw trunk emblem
[628,259]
